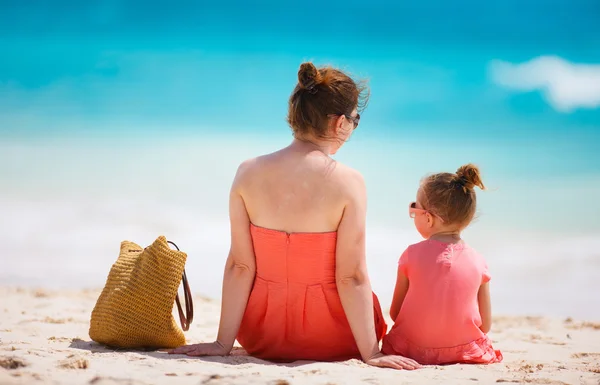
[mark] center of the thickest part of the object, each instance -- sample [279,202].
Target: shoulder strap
[184,318]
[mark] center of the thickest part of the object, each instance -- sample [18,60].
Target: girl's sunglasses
[413,211]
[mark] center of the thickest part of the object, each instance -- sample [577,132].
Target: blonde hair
[452,196]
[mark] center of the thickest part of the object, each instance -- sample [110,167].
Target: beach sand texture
[44,339]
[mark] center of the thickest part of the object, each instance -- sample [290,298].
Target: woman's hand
[394,362]
[205,349]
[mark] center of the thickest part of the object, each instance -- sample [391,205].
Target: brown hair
[319,93]
[452,196]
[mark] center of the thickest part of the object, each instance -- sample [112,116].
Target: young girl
[441,304]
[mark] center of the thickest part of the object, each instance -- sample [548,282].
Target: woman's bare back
[296,189]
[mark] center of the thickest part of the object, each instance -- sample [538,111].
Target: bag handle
[184,319]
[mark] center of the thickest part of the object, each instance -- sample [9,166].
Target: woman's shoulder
[350,174]
[252,169]
[246,171]
[247,165]
[350,184]
[336,172]
[258,163]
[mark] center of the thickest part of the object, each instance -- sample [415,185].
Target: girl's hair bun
[469,176]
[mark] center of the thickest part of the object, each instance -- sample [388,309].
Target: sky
[512,73]
[229,63]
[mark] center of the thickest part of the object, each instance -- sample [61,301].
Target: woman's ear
[337,124]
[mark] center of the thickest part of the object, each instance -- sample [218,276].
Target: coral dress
[439,320]
[294,311]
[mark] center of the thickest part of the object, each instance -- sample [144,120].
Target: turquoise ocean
[125,120]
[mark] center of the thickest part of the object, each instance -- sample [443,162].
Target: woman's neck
[311,144]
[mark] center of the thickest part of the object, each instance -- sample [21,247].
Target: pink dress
[439,320]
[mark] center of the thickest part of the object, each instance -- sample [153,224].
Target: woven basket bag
[135,307]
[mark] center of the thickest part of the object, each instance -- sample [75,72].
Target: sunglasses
[354,119]
[413,211]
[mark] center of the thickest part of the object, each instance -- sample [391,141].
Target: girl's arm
[238,278]
[485,307]
[353,282]
[399,293]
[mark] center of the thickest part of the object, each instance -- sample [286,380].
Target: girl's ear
[429,220]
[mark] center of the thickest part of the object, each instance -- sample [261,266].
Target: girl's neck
[447,236]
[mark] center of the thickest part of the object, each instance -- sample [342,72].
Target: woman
[295,285]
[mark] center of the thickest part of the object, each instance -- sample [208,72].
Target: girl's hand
[394,362]
[205,349]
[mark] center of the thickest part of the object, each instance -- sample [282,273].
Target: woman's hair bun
[308,76]
[469,177]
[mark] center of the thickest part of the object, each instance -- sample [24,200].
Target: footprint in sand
[506,323]
[114,381]
[51,320]
[595,369]
[570,324]
[9,348]
[536,339]
[527,367]
[48,320]
[41,294]
[60,339]
[540,381]
[586,355]
[11,363]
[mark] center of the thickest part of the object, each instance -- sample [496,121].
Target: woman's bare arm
[238,278]
[240,269]
[351,273]
[353,282]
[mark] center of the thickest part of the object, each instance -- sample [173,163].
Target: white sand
[44,339]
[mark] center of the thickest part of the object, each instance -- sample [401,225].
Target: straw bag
[135,307]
